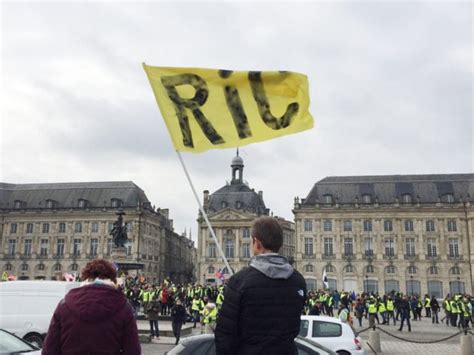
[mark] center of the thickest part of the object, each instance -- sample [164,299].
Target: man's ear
[258,244]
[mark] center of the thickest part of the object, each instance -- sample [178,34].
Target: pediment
[230,214]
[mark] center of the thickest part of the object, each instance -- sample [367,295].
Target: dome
[237,160]
[239,197]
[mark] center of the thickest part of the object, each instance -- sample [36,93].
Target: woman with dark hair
[94,318]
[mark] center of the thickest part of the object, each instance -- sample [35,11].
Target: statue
[119,231]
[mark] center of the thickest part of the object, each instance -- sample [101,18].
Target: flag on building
[214,109]
[325,279]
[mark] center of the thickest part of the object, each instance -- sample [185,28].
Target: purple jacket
[93,319]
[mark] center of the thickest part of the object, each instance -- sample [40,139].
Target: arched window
[57,267]
[115,202]
[412,269]
[456,270]
[367,198]
[349,268]
[238,205]
[8,267]
[24,267]
[369,269]
[330,268]
[223,204]
[210,270]
[74,267]
[308,268]
[406,198]
[433,270]
[41,267]
[327,199]
[225,271]
[390,269]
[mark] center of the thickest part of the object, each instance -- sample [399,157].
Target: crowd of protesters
[200,304]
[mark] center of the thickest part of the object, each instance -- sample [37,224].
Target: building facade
[49,229]
[408,233]
[231,211]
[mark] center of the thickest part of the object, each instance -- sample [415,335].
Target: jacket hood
[95,302]
[272,265]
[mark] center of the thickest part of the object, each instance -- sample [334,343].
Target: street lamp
[366,286]
[411,285]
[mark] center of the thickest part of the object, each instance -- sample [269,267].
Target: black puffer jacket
[261,309]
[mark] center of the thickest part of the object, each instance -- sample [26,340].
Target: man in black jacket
[262,303]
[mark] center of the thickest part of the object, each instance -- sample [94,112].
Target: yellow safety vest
[220,299]
[454,307]
[210,317]
[196,306]
[390,306]
[447,305]
[372,308]
[427,303]
[381,307]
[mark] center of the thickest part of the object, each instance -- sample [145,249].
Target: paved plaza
[422,330]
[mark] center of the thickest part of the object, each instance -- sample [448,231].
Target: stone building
[49,229]
[231,211]
[408,233]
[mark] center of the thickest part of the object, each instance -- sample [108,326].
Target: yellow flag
[208,108]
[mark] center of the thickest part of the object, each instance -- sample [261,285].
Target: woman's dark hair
[99,268]
[269,232]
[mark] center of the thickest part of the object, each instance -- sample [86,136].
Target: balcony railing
[25,256]
[455,257]
[308,256]
[58,256]
[432,257]
[327,256]
[9,256]
[41,256]
[388,257]
[411,257]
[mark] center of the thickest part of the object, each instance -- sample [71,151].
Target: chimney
[205,200]
[165,212]
[260,193]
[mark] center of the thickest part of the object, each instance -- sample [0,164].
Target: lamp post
[411,285]
[366,285]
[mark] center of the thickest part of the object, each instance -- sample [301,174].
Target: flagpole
[204,214]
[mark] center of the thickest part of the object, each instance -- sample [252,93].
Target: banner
[213,109]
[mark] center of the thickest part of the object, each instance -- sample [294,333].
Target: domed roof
[237,160]
[239,197]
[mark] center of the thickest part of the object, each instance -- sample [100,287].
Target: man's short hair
[268,231]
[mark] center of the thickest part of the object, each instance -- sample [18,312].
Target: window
[456,287]
[430,226]
[369,269]
[57,267]
[453,247]
[367,225]
[368,246]
[308,225]
[41,267]
[435,289]
[44,247]
[246,232]
[433,270]
[76,247]
[413,287]
[210,270]
[348,246]
[110,244]
[308,268]
[229,248]
[238,205]
[410,246]
[115,202]
[211,250]
[327,199]
[327,225]
[387,225]
[328,247]
[323,329]
[50,203]
[24,267]
[11,247]
[223,204]
[29,228]
[62,227]
[74,267]
[308,246]
[448,198]
[371,286]
[111,226]
[366,198]
[78,227]
[349,268]
[391,285]
[310,284]
[455,270]
[406,198]
[389,247]
[94,227]
[45,227]
[8,267]
[431,244]
[13,228]
[17,204]
[412,269]
[81,203]
[390,269]
[246,250]
[452,226]
[330,268]
[347,226]
[408,225]
[94,245]
[27,247]
[60,247]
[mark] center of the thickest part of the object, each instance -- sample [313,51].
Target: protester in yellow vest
[390,308]
[196,306]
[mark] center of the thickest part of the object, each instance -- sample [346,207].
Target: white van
[26,307]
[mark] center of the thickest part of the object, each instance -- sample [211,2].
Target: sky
[391,89]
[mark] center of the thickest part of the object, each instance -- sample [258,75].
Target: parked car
[26,307]
[331,333]
[11,344]
[204,345]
